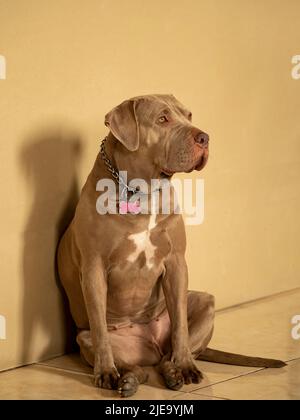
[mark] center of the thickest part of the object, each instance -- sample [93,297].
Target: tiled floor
[261,328]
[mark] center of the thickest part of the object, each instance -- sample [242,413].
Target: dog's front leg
[181,362]
[94,288]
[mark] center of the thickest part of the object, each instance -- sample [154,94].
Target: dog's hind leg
[200,319]
[201,315]
[84,340]
[200,324]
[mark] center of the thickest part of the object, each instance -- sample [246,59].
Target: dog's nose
[202,139]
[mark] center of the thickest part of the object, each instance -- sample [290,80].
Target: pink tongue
[133,208]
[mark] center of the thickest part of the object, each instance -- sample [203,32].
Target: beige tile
[73,362]
[42,382]
[192,396]
[212,372]
[269,384]
[69,362]
[260,328]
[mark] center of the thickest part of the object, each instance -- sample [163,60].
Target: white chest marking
[143,243]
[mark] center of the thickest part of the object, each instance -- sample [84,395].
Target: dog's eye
[190,116]
[163,119]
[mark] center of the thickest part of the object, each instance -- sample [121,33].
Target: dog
[125,274]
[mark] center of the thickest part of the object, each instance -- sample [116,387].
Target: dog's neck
[101,171]
[117,162]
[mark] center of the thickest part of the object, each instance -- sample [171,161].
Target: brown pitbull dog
[125,274]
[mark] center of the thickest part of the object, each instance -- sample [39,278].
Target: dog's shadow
[49,161]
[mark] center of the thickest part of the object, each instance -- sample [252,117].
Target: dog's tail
[216,356]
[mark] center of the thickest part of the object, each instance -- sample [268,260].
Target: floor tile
[212,372]
[260,329]
[269,384]
[71,362]
[192,396]
[42,382]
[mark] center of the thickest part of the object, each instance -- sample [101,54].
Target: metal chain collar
[115,173]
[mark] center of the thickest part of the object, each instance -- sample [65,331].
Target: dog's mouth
[202,162]
[167,173]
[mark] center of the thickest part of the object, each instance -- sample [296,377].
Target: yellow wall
[71,61]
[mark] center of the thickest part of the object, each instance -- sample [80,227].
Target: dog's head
[158,130]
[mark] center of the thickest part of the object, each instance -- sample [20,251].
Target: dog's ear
[123,123]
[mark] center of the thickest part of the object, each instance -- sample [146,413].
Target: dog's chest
[142,253]
[144,249]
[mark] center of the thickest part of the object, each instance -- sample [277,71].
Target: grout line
[179,392]
[77,372]
[258,300]
[213,397]
[240,376]
[201,395]
[51,357]
[177,395]
[236,377]
[292,360]
[17,367]
[253,372]
[26,364]
[230,379]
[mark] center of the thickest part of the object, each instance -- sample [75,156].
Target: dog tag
[133,208]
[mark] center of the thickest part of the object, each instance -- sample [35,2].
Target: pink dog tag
[133,208]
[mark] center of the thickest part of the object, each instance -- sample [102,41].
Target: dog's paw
[128,385]
[173,376]
[191,374]
[107,379]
